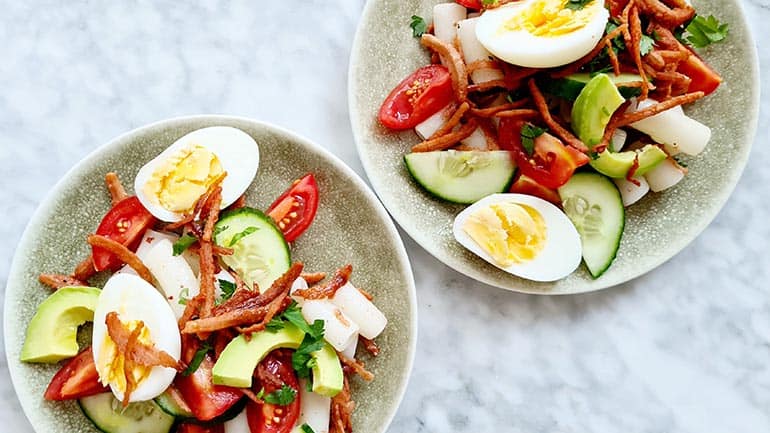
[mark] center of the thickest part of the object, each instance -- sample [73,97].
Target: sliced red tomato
[526,185]
[196,428]
[270,418]
[472,4]
[416,98]
[206,400]
[295,209]
[77,378]
[703,77]
[126,222]
[551,164]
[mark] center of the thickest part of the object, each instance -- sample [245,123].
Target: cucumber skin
[442,198]
[98,427]
[611,259]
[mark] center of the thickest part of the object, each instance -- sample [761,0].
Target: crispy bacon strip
[526,113]
[85,269]
[117,192]
[274,307]
[446,141]
[453,121]
[369,345]
[124,254]
[314,277]
[454,62]
[57,281]
[491,111]
[206,253]
[609,131]
[559,130]
[482,64]
[202,201]
[366,294]
[487,85]
[670,17]
[635,30]
[356,367]
[634,117]
[490,133]
[341,410]
[327,290]
[613,58]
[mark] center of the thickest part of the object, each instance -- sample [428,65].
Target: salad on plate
[206,323]
[550,117]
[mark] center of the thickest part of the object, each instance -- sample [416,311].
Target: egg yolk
[111,366]
[551,18]
[180,179]
[509,232]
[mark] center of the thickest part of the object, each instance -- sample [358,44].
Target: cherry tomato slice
[206,400]
[472,4]
[416,98]
[703,77]
[126,222]
[270,418]
[526,185]
[195,428]
[552,163]
[295,209]
[77,378]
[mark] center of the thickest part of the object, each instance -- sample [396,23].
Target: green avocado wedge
[237,362]
[617,164]
[52,332]
[593,109]
[570,86]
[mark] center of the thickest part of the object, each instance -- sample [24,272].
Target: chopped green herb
[706,31]
[238,236]
[576,5]
[528,135]
[488,3]
[184,296]
[301,360]
[679,161]
[646,45]
[275,324]
[261,393]
[197,359]
[184,243]
[228,288]
[418,25]
[306,429]
[281,397]
[219,229]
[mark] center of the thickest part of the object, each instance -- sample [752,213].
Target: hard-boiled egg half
[169,185]
[134,300]
[520,234]
[542,33]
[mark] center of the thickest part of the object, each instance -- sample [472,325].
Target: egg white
[522,48]
[237,152]
[135,299]
[561,254]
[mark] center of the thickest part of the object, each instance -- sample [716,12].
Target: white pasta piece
[675,129]
[314,410]
[631,192]
[173,274]
[148,241]
[350,351]
[618,140]
[477,140]
[239,424]
[664,176]
[339,329]
[445,18]
[298,284]
[430,125]
[474,51]
[355,305]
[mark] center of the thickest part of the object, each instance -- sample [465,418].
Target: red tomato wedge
[419,96]
[77,378]
[195,428]
[270,418]
[295,209]
[472,4]
[703,77]
[551,164]
[206,400]
[126,222]
[526,185]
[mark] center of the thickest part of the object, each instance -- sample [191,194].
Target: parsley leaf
[281,397]
[418,25]
[576,5]
[228,288]
[706,31]
[197,359]
[306,429]
[238,236]
[646,45]
[528,135]
[275,324]
[184,296]
[184,243]
[301,360]
[219,229]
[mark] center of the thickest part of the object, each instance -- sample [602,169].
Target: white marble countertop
[685,348]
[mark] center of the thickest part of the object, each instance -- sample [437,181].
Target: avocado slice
[570,86]
[617,165]
[593,109]
[237,362]
[52,332]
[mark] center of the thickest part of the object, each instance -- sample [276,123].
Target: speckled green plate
[657,228]
[350,221]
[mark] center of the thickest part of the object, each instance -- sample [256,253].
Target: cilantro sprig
[528,135]
[306,429]
[238,236]
[281,397]
[228,288]
[702,32]
[197,359]
[576,5]
[183,243]
[292,314]
[418,25]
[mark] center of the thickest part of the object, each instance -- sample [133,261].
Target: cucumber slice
[109,416]
[462,176]
[570,87]
[171,402]
[260,253]
[593,203]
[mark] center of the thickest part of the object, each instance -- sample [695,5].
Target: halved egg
[134,300]
[520,234]
[542,33]
[169,185]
